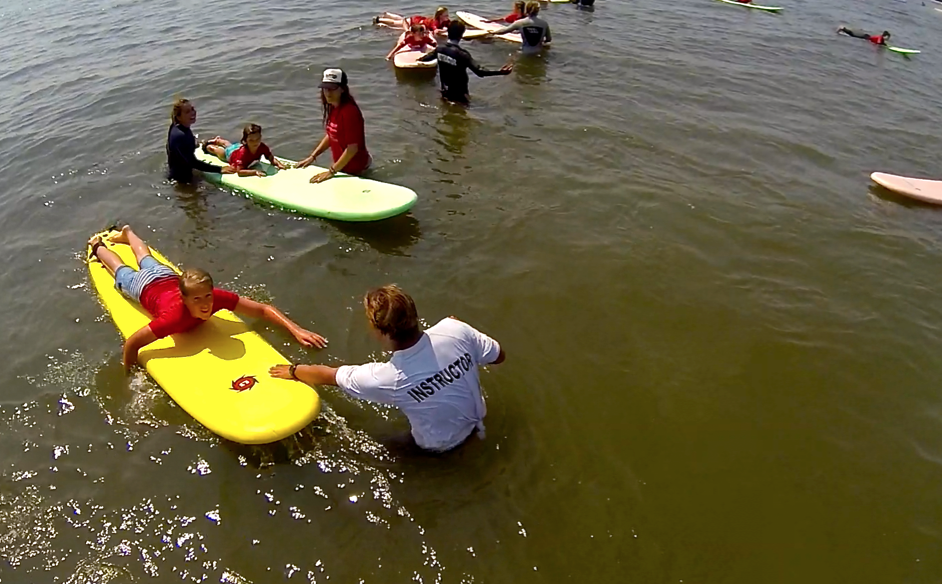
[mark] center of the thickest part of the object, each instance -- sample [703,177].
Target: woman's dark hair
[250,129]
[345,97]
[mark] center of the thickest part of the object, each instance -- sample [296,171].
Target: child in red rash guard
[245,153]
[415,40]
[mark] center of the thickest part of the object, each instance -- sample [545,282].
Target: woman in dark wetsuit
[181,145]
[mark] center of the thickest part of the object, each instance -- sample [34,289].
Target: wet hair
[533,8]
[520,7]
[345,97]
[886,34]
[456,30]
[392,312]
[177,109]
[250,129]
[417,28]
[194,278]
[439,11]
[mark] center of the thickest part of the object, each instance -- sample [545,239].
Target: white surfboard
[410,60]
[475,21]
[929,191]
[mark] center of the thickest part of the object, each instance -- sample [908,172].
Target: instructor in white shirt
[432,376]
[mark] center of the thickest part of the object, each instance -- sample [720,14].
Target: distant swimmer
[875,39]
[177,302]
[242,155]
[585,3]
[453,65]
[431,376]
[436,24]
[416,39]
[534,31]
[520,11]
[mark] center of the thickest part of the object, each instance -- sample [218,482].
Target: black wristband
[291,370]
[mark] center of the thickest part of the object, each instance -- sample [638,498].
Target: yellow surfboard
[218,372]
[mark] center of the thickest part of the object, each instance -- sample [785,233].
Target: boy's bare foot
[122,236]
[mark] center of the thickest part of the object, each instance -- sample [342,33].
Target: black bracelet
[291,370]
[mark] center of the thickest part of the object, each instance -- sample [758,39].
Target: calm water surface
[723,343]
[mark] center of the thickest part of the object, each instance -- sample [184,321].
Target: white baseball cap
[333,78]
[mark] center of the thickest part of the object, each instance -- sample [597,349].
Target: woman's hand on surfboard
[309,339]
[305,162]
[319,178]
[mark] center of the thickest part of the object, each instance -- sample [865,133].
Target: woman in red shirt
[345,135]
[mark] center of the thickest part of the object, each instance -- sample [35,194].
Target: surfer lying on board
[453,65]
[178,303]
[432,376]
[416,39]
[534,31]
[435,24]
[242,155]
[518,13]
[877,40]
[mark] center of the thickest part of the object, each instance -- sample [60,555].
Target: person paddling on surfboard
[436,24]
[453,65]
[345,135]
[244,153]
[415,40]
[875,39]
[181,145]
[534,31]
[178,303]
[432,376]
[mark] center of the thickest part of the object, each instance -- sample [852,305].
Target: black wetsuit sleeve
[429,56]
[180,148]
[482,71]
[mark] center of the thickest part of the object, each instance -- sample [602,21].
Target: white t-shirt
[434,382]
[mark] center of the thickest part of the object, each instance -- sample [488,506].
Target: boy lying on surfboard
[178,302]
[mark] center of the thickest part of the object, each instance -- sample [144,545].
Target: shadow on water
[531,69]
[416,77]
[192,199]
[910,203]
[393,236]
[454,127]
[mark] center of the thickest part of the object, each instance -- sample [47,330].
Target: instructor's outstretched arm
[309,374]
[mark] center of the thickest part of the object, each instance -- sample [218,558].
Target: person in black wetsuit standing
[453,65]
[181,145]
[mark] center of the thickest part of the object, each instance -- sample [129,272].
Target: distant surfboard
[928,191]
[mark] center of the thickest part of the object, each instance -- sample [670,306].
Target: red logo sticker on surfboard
[244,383]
